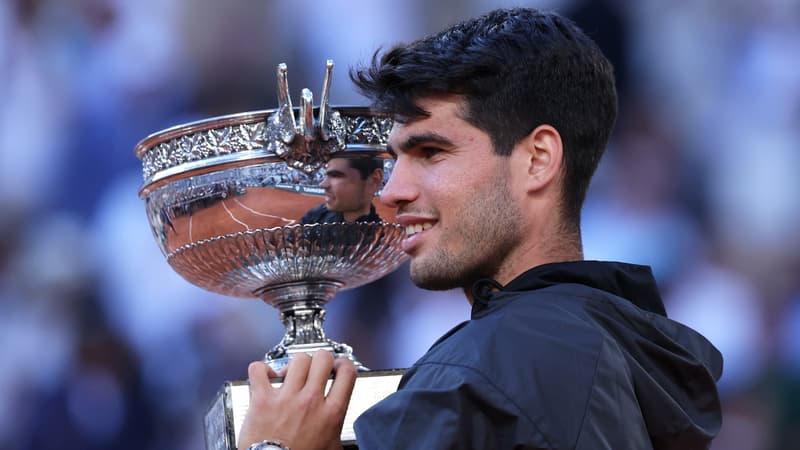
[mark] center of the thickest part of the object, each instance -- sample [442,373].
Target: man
[350,185]
[500,124]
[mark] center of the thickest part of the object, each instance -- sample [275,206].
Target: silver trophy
[225,197]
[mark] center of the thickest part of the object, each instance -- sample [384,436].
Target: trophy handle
[302,308]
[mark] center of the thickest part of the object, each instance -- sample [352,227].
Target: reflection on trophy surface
[349,186]
[279,205]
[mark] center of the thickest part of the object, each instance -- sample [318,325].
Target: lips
[416,228]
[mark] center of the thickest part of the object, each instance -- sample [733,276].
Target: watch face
[267,445]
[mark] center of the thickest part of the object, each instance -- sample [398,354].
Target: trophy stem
[302,308]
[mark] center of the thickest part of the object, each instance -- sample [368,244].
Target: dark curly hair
[516,69]
[365,166]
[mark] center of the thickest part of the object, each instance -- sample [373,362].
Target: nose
[401,188]
[325,183]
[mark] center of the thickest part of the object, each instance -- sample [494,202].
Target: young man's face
[345,190]
[452,193]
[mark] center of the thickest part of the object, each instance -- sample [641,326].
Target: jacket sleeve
[446,407]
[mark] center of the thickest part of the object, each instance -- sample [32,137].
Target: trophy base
[338,350]
[224,418]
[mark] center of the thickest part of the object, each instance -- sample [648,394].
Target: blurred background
[102,346]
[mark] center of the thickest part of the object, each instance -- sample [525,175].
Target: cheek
[448,201]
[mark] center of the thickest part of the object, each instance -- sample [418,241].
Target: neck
[555,245]
[560,247]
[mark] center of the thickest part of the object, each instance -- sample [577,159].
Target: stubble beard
[486,232]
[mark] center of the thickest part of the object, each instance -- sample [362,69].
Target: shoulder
[541,361]
[448,406]
[520,327]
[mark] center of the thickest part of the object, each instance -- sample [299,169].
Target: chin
[442,271]
[433,284]
[433,281]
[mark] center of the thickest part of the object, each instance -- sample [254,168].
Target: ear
[375,179]
[540,155]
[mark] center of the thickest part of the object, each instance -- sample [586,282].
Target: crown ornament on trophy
[224,197]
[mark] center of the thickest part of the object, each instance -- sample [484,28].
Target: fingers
[296,372]
[259,374]
[343,383]
[320,371]
[310,373]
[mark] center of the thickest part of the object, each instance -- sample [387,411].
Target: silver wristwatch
[268,445]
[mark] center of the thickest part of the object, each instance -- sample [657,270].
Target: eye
[430,152]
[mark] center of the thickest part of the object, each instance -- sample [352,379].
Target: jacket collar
[630,281]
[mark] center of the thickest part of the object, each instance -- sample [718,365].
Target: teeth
[416,228]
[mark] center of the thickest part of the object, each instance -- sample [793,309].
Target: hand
[298,413]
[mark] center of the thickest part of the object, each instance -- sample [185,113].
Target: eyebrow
[334,173]
[419,139]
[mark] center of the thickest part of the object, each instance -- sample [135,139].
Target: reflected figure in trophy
[350,185]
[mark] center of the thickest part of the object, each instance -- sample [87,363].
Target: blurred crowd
[102,346]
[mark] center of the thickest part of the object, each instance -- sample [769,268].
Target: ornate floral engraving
[346,130]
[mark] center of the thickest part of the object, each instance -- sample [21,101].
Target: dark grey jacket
[576,355]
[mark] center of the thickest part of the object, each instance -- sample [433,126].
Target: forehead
[339,164]
[445,120]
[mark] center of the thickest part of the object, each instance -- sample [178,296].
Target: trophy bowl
[226,197]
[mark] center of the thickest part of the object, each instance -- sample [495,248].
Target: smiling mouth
[417,228]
